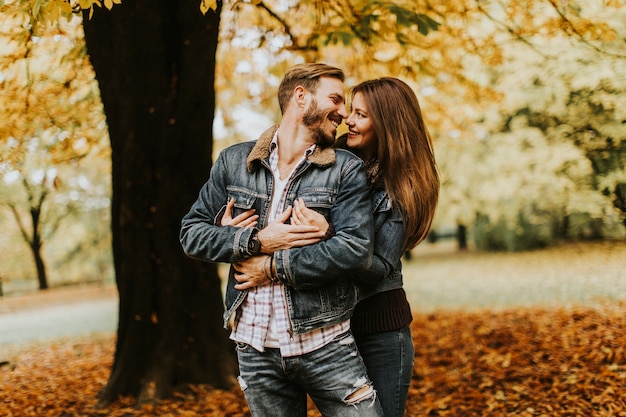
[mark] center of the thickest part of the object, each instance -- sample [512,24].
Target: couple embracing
[314,228]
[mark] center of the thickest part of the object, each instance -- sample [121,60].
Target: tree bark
[155,64]
[35,247]
[33,241]
[40,266]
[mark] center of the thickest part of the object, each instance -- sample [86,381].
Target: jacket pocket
[318,199]
[244,199]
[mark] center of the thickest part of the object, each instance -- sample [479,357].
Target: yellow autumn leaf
[109,3]
[36,7]
[64,6]
[50,11]
[206,5]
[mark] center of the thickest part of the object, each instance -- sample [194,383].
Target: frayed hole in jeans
[363,393]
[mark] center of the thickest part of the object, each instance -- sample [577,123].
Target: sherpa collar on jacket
[320,156]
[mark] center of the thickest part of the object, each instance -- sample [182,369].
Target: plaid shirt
[264,319]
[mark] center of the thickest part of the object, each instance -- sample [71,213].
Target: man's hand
[245,219]
[278,235]
[250,272]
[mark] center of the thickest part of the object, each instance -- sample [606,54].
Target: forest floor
[539,333]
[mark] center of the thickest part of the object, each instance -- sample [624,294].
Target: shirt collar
[274,145]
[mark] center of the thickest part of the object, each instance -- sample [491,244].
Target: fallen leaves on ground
[518,362]
[530,362]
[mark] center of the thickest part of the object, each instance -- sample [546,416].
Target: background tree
[50,119]
[61,213]
[155,64]
[555,152]
[36,192]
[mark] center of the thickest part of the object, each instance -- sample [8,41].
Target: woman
[387,131]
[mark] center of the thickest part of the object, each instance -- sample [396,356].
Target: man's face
[325,111]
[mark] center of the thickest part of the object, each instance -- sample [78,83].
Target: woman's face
[361,136]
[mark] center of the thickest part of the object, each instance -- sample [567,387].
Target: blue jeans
[389,358]
[276,386]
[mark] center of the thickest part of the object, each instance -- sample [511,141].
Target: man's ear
[300,94]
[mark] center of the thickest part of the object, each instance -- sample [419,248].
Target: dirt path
[55,296]
[437,277]
[58,312]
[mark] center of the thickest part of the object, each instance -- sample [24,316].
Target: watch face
[255,245]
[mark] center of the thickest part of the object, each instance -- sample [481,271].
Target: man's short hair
[306,75]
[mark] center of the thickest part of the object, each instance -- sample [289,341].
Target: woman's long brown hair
[405,153]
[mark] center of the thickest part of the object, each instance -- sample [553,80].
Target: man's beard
[313,119]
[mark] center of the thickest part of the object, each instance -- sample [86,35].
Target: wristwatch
[254,244]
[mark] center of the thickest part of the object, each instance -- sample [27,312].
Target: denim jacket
[385,272]
[318,289]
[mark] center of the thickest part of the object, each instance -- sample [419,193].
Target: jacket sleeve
[349,249]
[200,235]
[387,248]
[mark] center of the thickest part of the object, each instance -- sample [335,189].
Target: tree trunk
[461,236]
[42,276]
[155,64]
[35,247]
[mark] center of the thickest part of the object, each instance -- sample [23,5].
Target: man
[288,298]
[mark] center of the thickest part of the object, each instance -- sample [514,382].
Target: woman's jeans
[276,386]
[389,358]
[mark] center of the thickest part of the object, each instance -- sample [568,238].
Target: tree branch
[574,31]
[286,28]
[20,223]
[511,31]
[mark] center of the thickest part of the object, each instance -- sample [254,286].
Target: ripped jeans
[334,376]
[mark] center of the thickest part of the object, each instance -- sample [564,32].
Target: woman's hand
[245,219]
[302,215]
[279,235]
